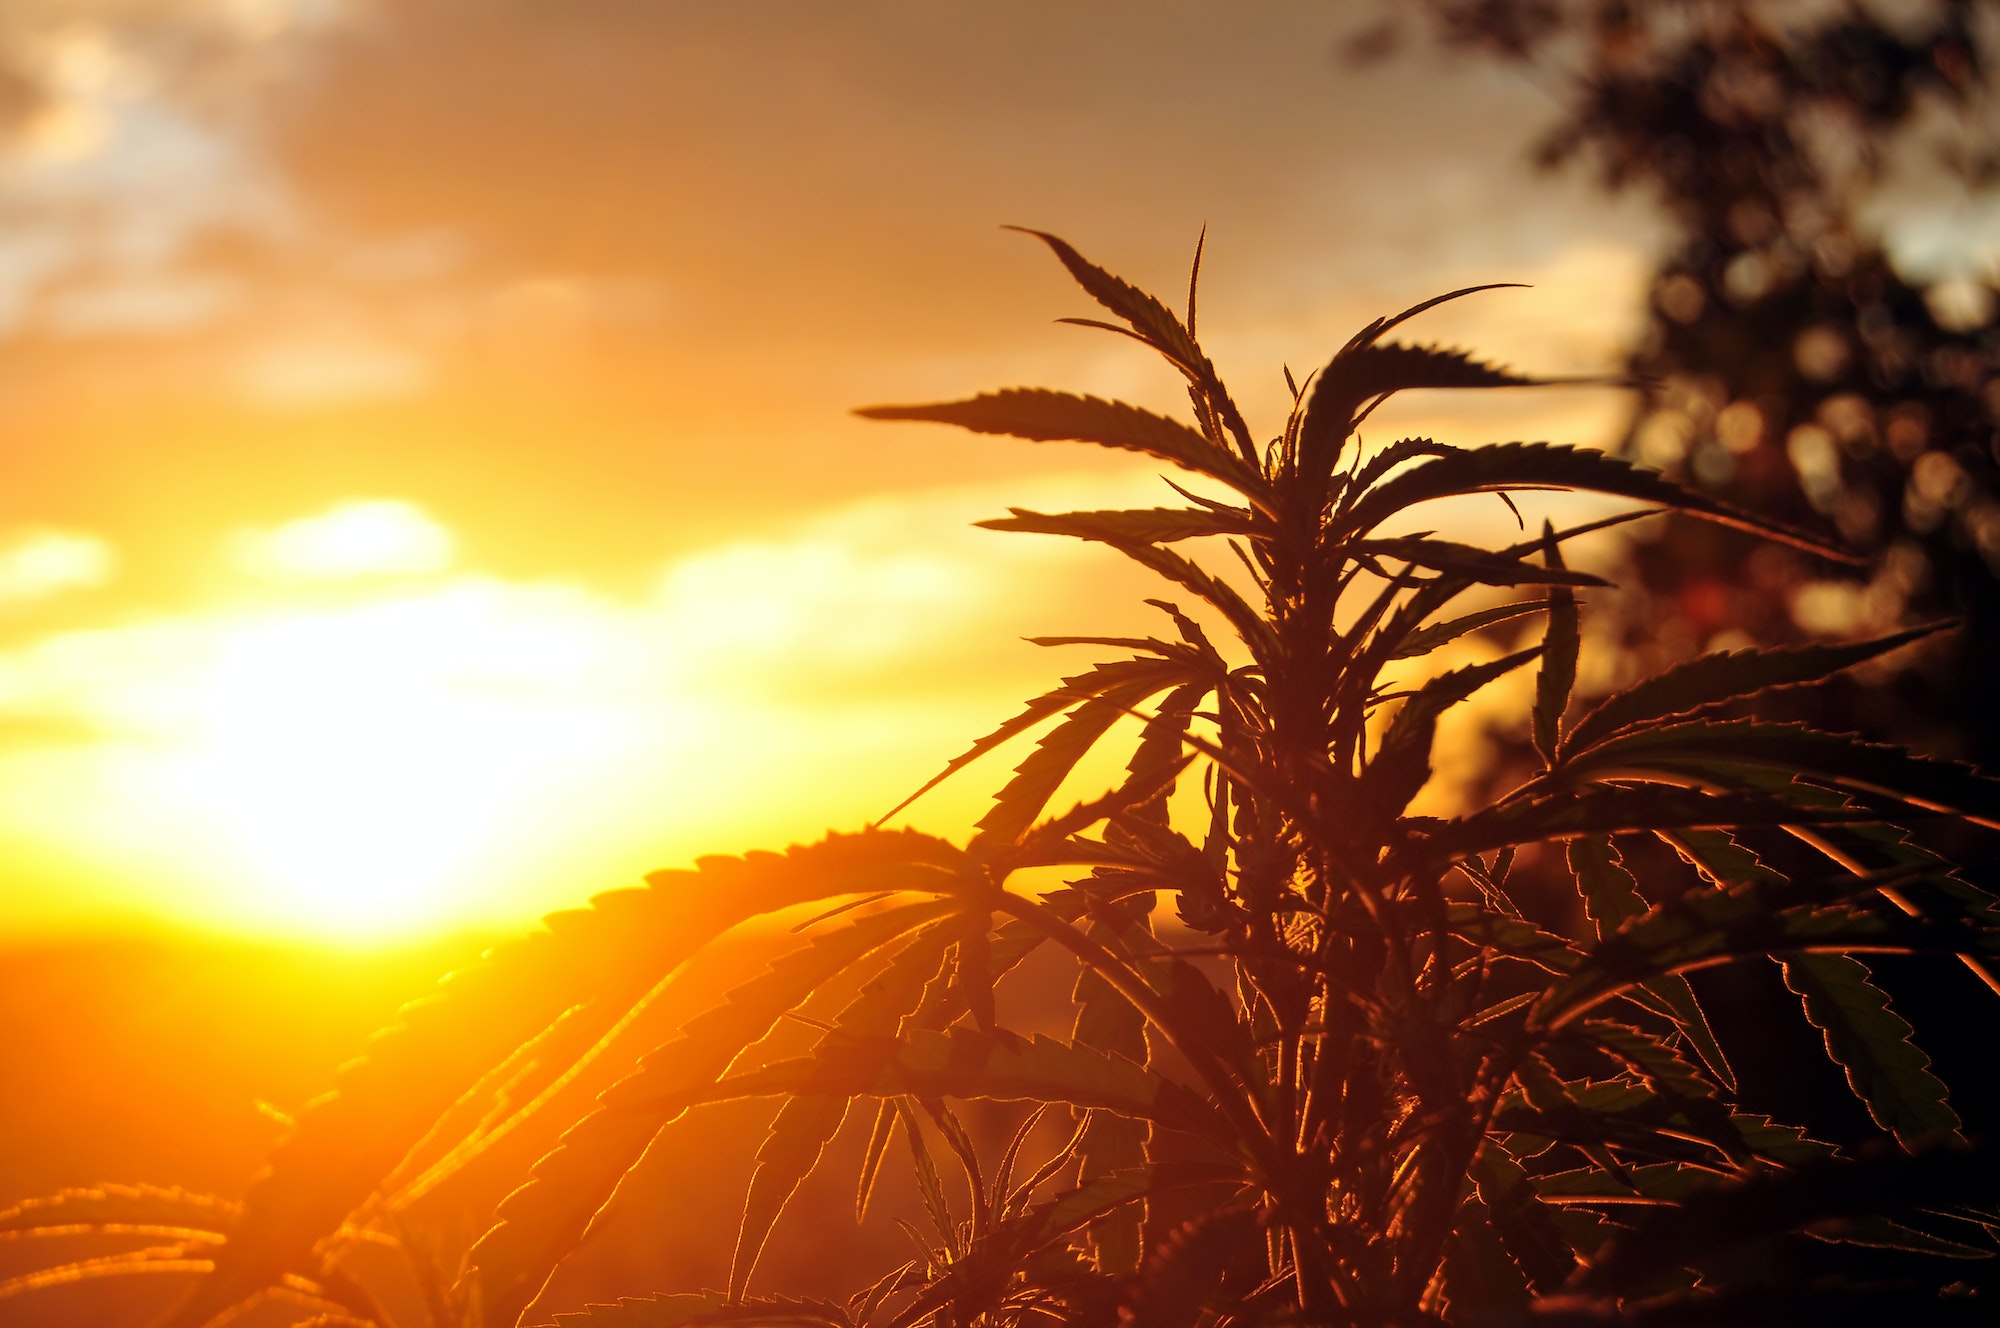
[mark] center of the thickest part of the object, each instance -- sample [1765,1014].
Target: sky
[430,490]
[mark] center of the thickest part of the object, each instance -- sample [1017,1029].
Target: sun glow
[364,740]
[376,761]
[389,765]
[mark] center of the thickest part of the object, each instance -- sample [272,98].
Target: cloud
[349,540]
[318,370]
[42,564]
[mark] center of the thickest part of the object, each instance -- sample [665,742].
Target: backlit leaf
[1155,325]
[1711,747]
[1728,676]
[1617,808]
[119,1210]
[1426,639]
[804,1124]
[1611,897]
[1358,374]
[1560,645]
[1526,1226]
[1133,678]
[647,1312]
[1037,778]
[540,1224]
[605,957]
[1516,466]
[1152,525]
[1042,416]
[1872,1044]
[1402,763]
[1479,566]
[964,1062]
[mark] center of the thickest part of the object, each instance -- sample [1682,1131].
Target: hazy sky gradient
[570,301]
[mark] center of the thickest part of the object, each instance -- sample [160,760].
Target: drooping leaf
[1527,1227]
[1111,1143]
[1152,525]
[804,1124]
[872,1155]
[1560,646]
[1729,676]
[1042,416]
[1160,755]
[1711,748]
[1882,1233]
[1477,565]
[1359,374]
[1426,639]
[1706,926]
[161,1260]
[791,1148]
[1833,1304]
[1873,848]
[1479,1275]
[606,958]
[1402,763]
[675,1311]
[1017,805]
[1155,325]
[1547,1094]
[1618,808]
[1512,937]
[541,1223]
[1611,898]
[1645,1123]
[1871,1042]
[149,1210]
[1610,895]
[1135,679]
[700,1309]
[1771,1203]
[1395,454]
[1668,1182]
[1722,859]
[1508,466]
[964,1062]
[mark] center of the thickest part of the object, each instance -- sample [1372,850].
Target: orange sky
[429,491]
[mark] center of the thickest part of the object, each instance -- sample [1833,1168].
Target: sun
[373,764]
[360,738]
[365,744]
[382,767]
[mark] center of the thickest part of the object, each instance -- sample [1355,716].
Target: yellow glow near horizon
[361,741]
[356,761]
[384,766]
[374,744]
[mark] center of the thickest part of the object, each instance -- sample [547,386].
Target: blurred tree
[1788,364]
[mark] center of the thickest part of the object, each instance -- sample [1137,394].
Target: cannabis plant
[1332,1061]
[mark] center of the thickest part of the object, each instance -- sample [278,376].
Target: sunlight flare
[379,742]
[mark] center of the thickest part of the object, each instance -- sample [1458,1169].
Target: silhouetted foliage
[1325,1065]
[1790,366]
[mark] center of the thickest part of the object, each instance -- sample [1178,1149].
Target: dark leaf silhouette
[1393,1068]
